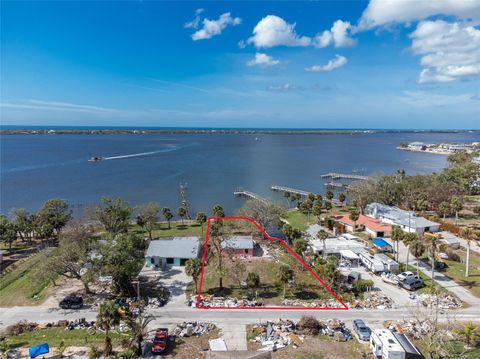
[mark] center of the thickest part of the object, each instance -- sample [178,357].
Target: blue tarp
[38,350]
[381,243]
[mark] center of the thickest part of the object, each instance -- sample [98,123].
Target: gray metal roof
[176,247]
[398,216]
[238,242]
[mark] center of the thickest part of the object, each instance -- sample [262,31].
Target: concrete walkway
[462,293]
[234,335]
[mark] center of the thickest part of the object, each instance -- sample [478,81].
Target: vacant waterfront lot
[177,229]
[456,271]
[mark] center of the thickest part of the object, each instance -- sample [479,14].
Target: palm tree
[201,219]
[329,195]
[138,331]
[285,274]
[456,205]
[417,248]
[218,211]
[408,239]
[354,216]
[470,332]
[182,212]
[468,235]
[287,230]
[432,245]
[300,246]
[397,234]
[323,235]
[107,318]
[444,208]
[167,214]
[342,197]
[193,268]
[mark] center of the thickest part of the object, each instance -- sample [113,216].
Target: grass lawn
[456,271]
[18,286]
[302,221]
[54,336]
[177,229]
[270,292]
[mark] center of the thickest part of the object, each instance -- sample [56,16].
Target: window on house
[152,260]
[246,251]
[170,260]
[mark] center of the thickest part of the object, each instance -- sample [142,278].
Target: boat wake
[132,155]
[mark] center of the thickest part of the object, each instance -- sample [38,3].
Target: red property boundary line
[292,252]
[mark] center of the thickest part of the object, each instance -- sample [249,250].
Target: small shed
[382,245]
[170,252]
[238,246]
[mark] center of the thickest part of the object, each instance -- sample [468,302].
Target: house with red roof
[372,226]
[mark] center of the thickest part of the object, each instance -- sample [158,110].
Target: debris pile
[211,301]
[330,303]
[374,300]
[336,328]
[188,329]
[276,335]
[446,301]
[409,327]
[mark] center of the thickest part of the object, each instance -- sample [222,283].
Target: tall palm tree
[341,197]
[432,245]
[285,274]
[182,212]
[468,235]
[218,211]
[456,205]
[138,331]
[397,234]
[107,317]
[193,268]
[201,219]
[354,216]
[408,239]
[323,235]
[417,248]
[167,214]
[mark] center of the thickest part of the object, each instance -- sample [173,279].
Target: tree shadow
[219,292]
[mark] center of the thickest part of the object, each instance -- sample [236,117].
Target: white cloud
[449,51]
[333,64]
[214,27]
[337,36]
[194,23]
[286,87]
[382,12]
[274,31]
[262,60]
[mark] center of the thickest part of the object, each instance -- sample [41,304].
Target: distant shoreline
[205,131]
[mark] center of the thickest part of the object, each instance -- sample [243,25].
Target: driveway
[176,281]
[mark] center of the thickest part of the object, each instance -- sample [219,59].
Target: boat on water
[96,158]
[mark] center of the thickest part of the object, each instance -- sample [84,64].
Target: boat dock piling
[334,175]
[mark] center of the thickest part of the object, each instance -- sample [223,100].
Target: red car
[160,341]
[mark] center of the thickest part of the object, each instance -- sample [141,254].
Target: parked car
[361,329]
[71,302]
[413,283]
[405,275]
[160,341]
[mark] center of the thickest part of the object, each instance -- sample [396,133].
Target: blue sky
[320,64]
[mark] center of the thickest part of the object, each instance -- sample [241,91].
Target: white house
[407,220]
[166,253]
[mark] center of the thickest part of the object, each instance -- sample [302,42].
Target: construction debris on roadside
[446,301]
[188,329]
[331,303]
[374,300]
[411,327]
[211,301]
[281,333]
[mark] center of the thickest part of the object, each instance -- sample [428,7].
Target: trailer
[371,263]
[389,263]
[386,344]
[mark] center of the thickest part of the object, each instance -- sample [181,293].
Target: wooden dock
[248,194]
[334,175]
[289,190]
[335,184]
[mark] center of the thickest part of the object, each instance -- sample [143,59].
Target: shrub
[362,285]
[21,327]
[453,256]
[308,325]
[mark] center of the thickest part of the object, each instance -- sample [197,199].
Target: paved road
[233,316]
[462,293]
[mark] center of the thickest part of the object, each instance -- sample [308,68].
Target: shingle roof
[176,247]
[238,242]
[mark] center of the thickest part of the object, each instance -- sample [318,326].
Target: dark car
[361,329]
[413,284]
[71,302]
[160,341]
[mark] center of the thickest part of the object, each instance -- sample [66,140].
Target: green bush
[362,285]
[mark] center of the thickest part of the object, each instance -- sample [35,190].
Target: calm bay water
[36,168]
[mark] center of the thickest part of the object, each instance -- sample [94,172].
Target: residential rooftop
[175,247]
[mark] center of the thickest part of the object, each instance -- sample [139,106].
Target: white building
[386,344]
[406,220]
